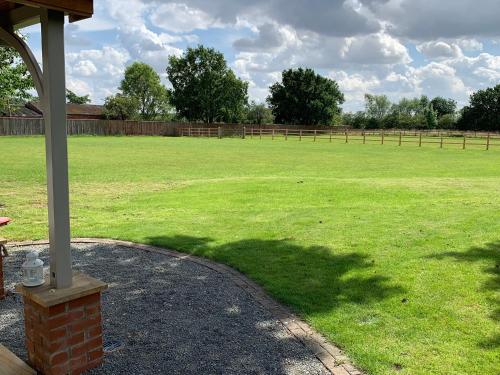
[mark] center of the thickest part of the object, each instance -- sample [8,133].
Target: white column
[54,108]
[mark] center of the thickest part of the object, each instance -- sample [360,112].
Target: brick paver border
[331,356]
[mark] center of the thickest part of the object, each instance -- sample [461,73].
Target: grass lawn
[391,252]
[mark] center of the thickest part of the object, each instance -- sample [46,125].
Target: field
[391,252]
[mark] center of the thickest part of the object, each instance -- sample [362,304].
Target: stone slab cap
[46,296]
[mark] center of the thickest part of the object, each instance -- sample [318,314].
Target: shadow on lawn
[308,279]
[490,253]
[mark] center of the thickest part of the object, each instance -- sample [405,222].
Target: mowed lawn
[391,252]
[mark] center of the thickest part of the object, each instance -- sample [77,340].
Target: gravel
[171,316]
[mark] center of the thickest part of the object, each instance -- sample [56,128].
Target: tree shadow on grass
[308,279]
[490,254]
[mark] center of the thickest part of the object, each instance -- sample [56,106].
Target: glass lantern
[32,270]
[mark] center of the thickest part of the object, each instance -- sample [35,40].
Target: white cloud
[439,49]
[375,49]
[180,18]
[84,68]
[97,72]
[439,79]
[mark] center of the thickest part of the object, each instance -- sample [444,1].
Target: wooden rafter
[20,13]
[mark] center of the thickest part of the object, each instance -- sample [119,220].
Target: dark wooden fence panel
[27,126]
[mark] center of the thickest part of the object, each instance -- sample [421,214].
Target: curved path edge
[329,355]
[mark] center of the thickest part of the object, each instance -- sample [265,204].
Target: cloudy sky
[395,47]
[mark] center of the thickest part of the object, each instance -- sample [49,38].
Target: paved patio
[171,315]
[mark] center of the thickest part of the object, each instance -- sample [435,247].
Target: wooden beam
[20,17]
[84,8]
[10,364]
[56,149]
[13,40]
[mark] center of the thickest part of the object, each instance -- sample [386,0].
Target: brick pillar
[66,337]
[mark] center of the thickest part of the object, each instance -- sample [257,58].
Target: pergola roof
[22,13]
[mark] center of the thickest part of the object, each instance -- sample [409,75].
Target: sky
[400,48]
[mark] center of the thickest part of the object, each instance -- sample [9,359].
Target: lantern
[32,270]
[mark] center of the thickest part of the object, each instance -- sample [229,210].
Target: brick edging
[330,355]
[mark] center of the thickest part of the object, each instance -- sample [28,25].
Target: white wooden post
[54,109]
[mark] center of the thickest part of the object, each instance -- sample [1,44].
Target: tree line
[204,89]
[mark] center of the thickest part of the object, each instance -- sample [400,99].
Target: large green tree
[205,88]
[143,83]
[443,106]
[304,97]
[483,111]
[121,107]
[71,97]
[377,106]
[15,81]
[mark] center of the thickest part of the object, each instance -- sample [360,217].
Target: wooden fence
[27,126]
[35,126]
[440,138]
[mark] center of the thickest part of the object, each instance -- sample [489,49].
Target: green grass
[391,252]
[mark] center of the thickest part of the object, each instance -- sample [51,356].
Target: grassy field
[391,252]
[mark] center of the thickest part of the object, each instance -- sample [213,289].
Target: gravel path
[171,316]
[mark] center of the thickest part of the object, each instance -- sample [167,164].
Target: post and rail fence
[440,138]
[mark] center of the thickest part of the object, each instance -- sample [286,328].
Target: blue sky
[394,47]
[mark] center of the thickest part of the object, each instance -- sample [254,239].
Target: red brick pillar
[63,335]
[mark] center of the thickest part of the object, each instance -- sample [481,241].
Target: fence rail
[399,137]
[27,126]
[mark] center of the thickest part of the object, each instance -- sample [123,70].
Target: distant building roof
[80,111]
[22,112]
[73,111]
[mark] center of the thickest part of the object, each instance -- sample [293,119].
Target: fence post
[331,131]
[441,144]
[488,142]
[219,132]
[420,139]
[260,133]
[244,132]
[382,141]
[364,137]
[272,138]
[209,132]
[189,131]
[314,135]
[463,146]
[286,134]
[182,132]
[399,138]
[346,137]
[251,132]
[300,135]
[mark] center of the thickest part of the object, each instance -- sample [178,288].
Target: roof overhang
[17,14]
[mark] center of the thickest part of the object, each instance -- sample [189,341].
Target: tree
[431,117]
[205,88]
[444,106]
[448,121]
[15,81]
[483,111]
[304,97]
[258,114]
[71,97]
[377,106]
[121,107]
[143,83]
